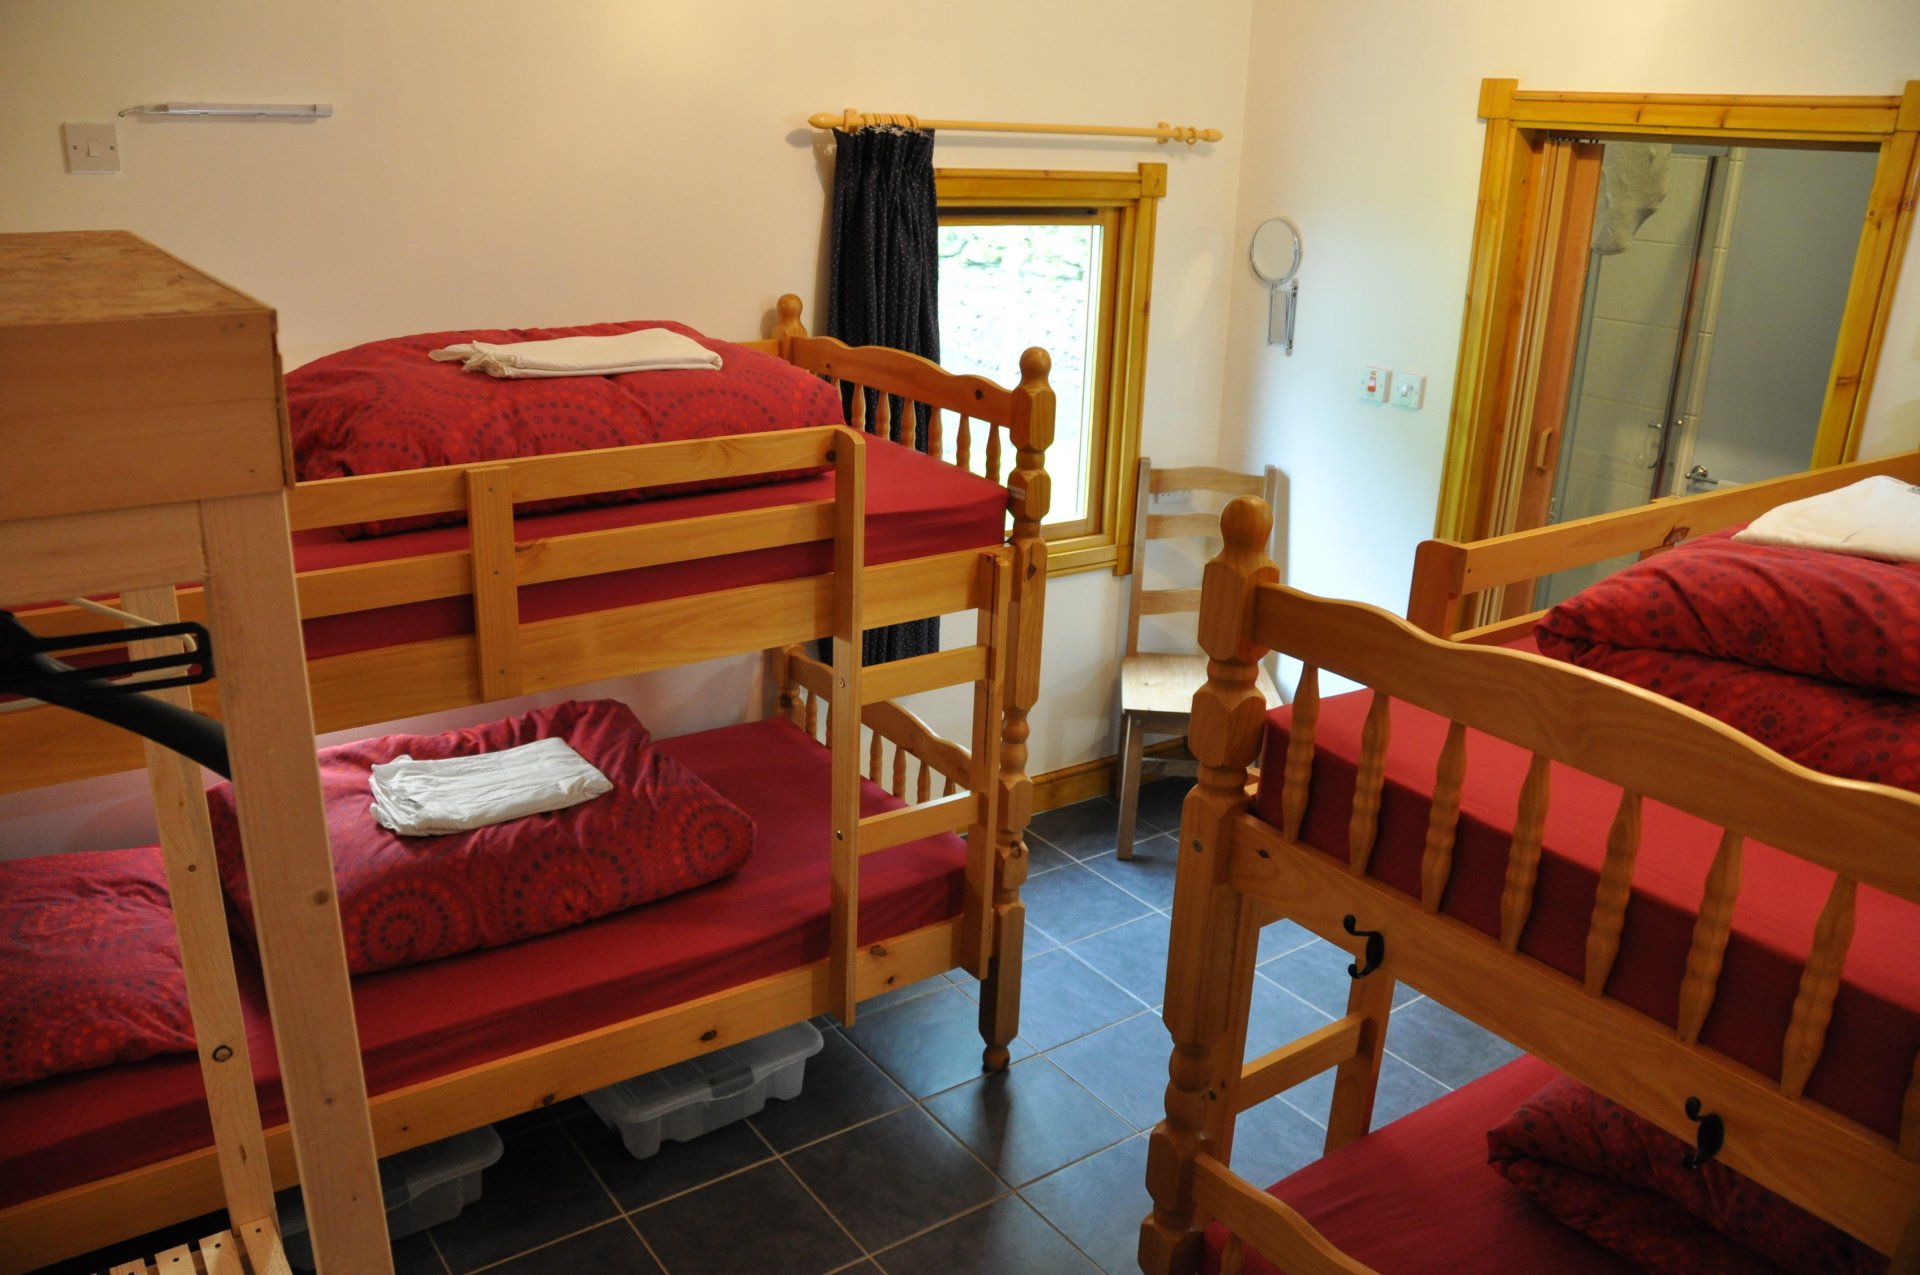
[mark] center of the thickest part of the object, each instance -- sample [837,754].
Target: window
[1063,261]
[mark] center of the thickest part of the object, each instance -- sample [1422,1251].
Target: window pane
[1006,287]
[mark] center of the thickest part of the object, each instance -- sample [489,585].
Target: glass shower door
[1707,336]
[1632,345]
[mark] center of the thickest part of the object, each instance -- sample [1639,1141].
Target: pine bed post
[252,607]
[777,689]
[849,457]
[1030,495]
[787,325]
[1206,969]
[1434,602]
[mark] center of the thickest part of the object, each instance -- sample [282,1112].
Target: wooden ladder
[849,689]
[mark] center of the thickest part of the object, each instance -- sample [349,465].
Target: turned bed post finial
[1205,956]
[1029,495]
[787,323]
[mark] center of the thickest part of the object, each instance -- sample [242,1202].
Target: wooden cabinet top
[91,276]
[131,379]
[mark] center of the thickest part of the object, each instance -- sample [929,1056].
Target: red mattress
[427,1020]
[916,506]
[1875,1034]
[1418,1195]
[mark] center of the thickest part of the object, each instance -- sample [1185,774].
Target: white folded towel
[1877,517]
[457,794]
[643,350]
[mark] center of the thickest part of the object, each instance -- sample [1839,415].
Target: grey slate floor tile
[676,1167]
[1073,902]
[705,1231]
[843,1087]
[1005,1238]
[1098,1203]
[540,1190]
[608,1249]
[1124,1066]
[1029,1120]
[1062,998]
[929,1043]
[1147,876]
[1082,829]
[893,1177]
[1133,955]
[1455,1051]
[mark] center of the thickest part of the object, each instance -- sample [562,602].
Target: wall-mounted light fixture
[237,110]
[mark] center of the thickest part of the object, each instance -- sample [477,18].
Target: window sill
[1071,557]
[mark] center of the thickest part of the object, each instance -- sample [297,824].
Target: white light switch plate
[1409,390]
[91,148]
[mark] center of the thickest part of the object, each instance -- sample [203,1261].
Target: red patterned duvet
[1618,1179]
[404,900]
[386,406]
[1816,655]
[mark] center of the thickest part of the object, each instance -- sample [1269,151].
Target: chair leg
[1132,741]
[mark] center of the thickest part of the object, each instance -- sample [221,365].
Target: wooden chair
[1157,687]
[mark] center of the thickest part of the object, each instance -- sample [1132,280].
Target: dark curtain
[883,288]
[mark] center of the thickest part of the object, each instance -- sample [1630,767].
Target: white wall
[499,164]
[1360,126]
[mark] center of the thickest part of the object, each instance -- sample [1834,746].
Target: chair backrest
[1151,526]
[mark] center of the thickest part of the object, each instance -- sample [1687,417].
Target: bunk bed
[1645,900]
[444,617]
[139,525]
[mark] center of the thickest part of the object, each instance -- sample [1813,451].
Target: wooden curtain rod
[850,119]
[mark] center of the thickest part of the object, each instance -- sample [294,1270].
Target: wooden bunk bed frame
[985,791]
[1453,578]
[1237,872]
[138,525]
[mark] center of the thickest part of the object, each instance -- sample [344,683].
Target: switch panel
[1409,390]
[1373,384]
[91,148]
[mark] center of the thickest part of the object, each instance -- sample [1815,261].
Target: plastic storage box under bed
[423,1187]
[697,1096]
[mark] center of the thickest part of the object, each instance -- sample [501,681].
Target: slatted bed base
[256,1251]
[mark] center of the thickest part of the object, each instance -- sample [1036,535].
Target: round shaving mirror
[1275,257]
[1276,251]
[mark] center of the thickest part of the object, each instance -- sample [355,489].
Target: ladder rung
[897,827]
[922,673]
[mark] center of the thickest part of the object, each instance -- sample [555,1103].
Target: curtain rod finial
[847,121]
[1186,133]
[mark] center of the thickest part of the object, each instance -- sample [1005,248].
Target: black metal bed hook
[1376,949]
[1708,1139]
[27,668]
